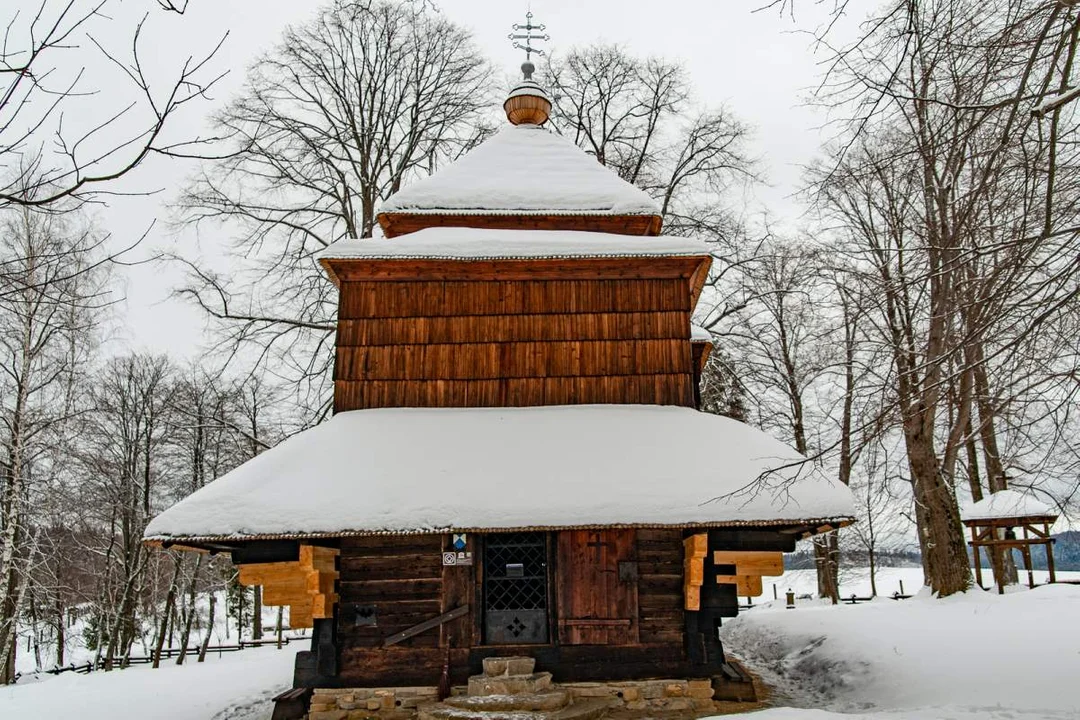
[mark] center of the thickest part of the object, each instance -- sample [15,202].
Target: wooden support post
[1050,555]
[978,556]
[696,548]
[306,585]
[1027,559]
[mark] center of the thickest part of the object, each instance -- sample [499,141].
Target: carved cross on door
[599,546]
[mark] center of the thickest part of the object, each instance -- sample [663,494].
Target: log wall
[400,578]
[484,343]
[404,580]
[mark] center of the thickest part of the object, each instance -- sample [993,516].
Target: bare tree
[636,116]
[52,72]
[332,122]
[124,441]
[49,307]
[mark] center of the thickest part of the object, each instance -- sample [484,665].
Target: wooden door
[597,587]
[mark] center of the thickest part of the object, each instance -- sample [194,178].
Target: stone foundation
[398,703]
[676,696]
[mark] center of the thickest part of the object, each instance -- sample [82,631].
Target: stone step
[545,701]
[580,710]
[514,665]
[531,684]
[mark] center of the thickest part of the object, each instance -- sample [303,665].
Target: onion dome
[527,103]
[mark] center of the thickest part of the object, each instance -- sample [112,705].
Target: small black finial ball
[527,69]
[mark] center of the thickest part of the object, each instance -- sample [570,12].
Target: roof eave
[804,527]
[402,222]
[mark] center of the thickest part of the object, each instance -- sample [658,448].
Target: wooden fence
[166,653]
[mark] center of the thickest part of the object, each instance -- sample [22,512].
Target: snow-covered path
[979,655]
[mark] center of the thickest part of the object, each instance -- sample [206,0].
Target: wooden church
[516,465]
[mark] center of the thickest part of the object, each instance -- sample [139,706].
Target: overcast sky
[761,65]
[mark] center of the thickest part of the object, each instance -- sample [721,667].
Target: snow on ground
[977,655]
[980,655]
[234,686]
[856,581]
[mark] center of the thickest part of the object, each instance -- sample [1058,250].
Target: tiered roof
[526,204]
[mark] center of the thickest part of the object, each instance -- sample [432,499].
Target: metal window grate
[521,589]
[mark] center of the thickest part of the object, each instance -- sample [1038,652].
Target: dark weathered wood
[660,586]
[400,578]
[426,625]
[391,567]
[396,666]
[596,605]
[390,590]
[458,589]
[394,224]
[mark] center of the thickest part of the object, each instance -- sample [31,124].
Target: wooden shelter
[994,521]
[516,465]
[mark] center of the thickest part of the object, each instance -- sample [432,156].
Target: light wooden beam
[749,567]
[745,585]
[306,585]
[696,548]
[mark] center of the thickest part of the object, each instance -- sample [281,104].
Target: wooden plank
[322,605]
[589,587]
[745,585]
[692,596]
[440,269]
[391,590]
[285,594]
[318,558]
[674,389]
[426,625]
[694,572]
[391,568]
[696,547]
[489,361]
[271,573]
[751,563]
[458,584]
[320,583]
[400,223]
[513,328]
[525,297]
[300,616]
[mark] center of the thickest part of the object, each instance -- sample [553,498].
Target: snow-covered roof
[1007,504]
[414,470]
[699,334]
[462,243]
[523,169]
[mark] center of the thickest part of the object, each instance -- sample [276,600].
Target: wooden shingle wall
[489,343]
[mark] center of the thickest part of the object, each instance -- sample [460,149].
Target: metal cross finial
[528,36]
